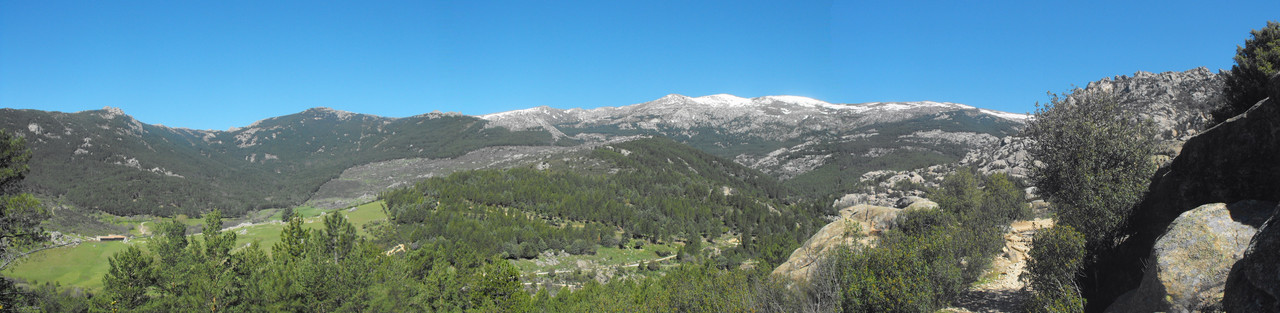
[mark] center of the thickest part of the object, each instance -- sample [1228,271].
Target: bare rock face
[856,225]
[1254,282]
[1233,161]
[1189,263]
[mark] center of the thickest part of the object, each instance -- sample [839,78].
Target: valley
[779,202]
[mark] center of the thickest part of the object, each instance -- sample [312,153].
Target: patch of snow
[801,101]
[1006,115]
[723,100]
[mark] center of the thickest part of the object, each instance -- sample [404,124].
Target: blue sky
[215,65]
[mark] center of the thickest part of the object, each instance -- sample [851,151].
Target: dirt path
[1004,293]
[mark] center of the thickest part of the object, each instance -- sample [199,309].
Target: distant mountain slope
[107,160]
[809,142]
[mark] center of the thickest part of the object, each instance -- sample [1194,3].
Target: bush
[1246,84]
[1096,161]
[582,247]
[1004,199]
[1056,255]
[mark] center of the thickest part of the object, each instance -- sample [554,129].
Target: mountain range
[106,160]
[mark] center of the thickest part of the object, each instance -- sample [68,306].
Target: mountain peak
[112,112]
[340,114]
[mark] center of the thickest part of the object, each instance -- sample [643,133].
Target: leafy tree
[1096,161]
[1256,62]
[1057,254]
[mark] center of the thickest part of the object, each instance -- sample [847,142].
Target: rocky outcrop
[894,188]
[856,225]
[1178,103]
[1233,161]
[1254,282]
[1191,260]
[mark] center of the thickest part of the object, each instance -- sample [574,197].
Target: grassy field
[604,257]
[83,265]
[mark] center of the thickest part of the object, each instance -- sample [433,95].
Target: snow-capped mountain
[683,112]
[788,136]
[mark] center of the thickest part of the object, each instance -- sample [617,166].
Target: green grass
[604,257]
[84,265]
[79,266]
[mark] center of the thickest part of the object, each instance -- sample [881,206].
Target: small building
[112,238]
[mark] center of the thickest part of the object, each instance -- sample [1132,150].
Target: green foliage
[323,270]
[1056,255]
[1001,196]
[921,266]
[691,287]
[660,191]
[286,215]
[20,213]
[1256,62]
[130,276]
[1096,161]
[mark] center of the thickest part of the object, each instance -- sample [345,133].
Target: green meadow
[84,264]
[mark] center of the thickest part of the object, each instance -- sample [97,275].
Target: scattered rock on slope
[1190,262]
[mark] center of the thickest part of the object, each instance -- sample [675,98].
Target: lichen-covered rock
[1254,282]
[1190,262]
[856,225]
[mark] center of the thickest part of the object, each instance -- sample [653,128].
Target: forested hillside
[462,229]
[651,189]
[108,161]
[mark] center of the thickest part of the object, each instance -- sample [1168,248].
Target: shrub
[1096,161]
[1056,255]
[582,247]
[1246,84]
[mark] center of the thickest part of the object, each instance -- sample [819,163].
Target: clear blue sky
[220,64]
